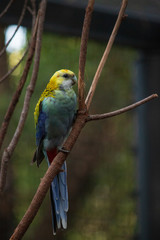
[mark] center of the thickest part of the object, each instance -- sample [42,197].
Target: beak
[74,80]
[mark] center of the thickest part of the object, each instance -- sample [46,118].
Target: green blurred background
[101,167]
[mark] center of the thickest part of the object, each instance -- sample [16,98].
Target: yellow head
[62,79]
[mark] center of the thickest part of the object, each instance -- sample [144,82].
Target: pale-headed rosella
[54,116]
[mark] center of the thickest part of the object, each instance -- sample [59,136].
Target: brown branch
[48,177]
[18,25]
[52,171]
[6,8]
[33,11]
[9,150]
[16,96]
[55,167]
[13,69]
[34,29]
[83,53]
[106,53]
[122,110]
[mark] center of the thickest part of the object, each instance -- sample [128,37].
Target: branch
[83,53]
[122,110]
[9,151]
[106,53]
[18,25]
[44,185]
[6,8]
[33,11]
[20,86]
[55,168]
[12,70]
[52,171]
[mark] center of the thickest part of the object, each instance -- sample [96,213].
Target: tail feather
[54,219]
[58,195]
[63,215]
[55,194]
[63,174]
[63,187]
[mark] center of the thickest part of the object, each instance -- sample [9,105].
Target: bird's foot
[62,149]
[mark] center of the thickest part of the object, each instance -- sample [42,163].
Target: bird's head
[63,79]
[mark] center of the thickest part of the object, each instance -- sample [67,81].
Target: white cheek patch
[66,84]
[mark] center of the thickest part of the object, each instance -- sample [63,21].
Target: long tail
[59,197]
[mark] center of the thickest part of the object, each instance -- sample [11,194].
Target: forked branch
[83,53]
[14,68]
[9,150]
[20,86]
[122,110]
[106,53]
[80,122]
[18,25]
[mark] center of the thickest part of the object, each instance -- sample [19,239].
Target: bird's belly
[59,120]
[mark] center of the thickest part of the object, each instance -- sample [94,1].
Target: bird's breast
[60,112]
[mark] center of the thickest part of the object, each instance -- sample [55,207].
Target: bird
[54,116]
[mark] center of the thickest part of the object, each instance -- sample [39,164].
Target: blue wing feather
[40,127]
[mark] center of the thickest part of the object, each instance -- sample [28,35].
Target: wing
[40,134]
[40,126]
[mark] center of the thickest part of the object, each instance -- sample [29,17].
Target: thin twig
[16,96]
[10,149]
[18,25]
[122,110]
[83,53]
[12,70]
[106,53]
[33,10]
[6,8]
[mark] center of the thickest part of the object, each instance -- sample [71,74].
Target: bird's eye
[66,75]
